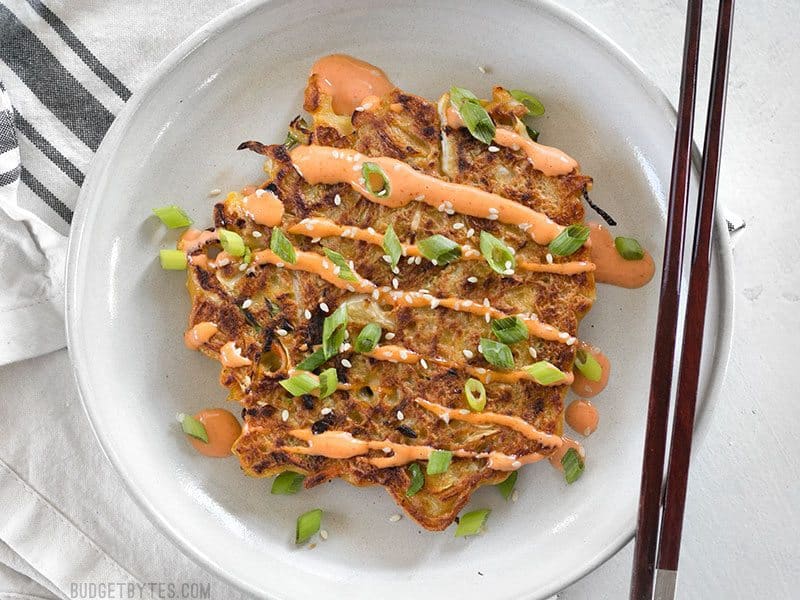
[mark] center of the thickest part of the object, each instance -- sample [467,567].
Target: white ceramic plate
[241,77]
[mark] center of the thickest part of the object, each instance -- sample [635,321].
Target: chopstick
[688,375]
[686,398]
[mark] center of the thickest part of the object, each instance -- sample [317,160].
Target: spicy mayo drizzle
[348,81]
[586,388]
[263,207]
[199,334]
[223,430]
[611,267]
[328,165]
[550,161]
[582,416]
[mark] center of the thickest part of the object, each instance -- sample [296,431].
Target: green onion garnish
[345,272]
[327,382]
[506,487]
[475,117]
[368,338]
[248,255]
[287,483]
[497,254]
[569,240]
[472,522]
[173,260]
[439,248]
[532,133]
[544,373]
[573,465]
[302,383]
[475,394]
[368,169]
[307,525]
[193,427]
[333,330]
[438,461]
[312,361]
[231,242]
[172,216]
[280,245]
[291,141]
[392,245]
[588,365]
[417,479]
[496,353]
[534,106]
[510,330]
[629,248]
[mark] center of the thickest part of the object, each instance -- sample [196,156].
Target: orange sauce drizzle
[558,454]
[328,165]
[199,334]
[222,428]
[348,81]
[582,416]
[264,207]
[231,356]
[611,267]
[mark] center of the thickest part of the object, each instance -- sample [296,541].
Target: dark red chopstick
[688,375]
[686,398]
[667,323]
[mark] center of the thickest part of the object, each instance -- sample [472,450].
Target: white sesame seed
[493,210]
[281,332]
[408,298]
[396,270]
[508,272]
[280,265]
[307,314]
[346,363]
[395,518]
[435,302]
[532,352]
[404,354]
[468,353]
[400,415]
[389,335]
[257,234]
[386,450]
[375,294]
[424,363]
[296,168]
[434,262]
[563,335]
[516,464]
[486,302]
[326,411]
[345,347]
[359,109]
[395,283]
[325,264]
[243,267]
[468,303]
[463,411]
[487,317]
[284,415]
[458,225]
[570,341]
[508,264]
[323,534]
[418,260]
[493,149]
[180,417]
[324,307]
[387,258]
[515,496]
[492,217]
[337,199]
[470,232]
[472,279]
[337,269]
[247,303]
[215,192]
[549,258]
[482,69]
[420,198]
[450,211]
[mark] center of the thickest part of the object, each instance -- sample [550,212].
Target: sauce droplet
[611,267]
[348,80]
[199,334]
[558,454]
[582,416]
[586,388]
[223,430]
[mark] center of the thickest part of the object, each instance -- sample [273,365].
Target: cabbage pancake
[396,404]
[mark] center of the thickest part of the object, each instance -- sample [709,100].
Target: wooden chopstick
[667,322]
[686,398]
[689,372]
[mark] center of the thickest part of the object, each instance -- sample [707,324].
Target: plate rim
[110,144]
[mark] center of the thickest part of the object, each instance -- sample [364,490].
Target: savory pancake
[405,398]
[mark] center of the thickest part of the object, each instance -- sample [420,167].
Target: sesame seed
[400,415]
[296,168]
[408,298]
[424,363]
[532,352]
[472,279]
[449,211]
[345,347]
[508,272]
[389,335]
[285,415]
[395,283]
[563,335]
[326,411]
[376,294]
[492,217]
[487,317]
[307,314]
[508,264]
[515,496]
[570,341]
[325,264]
[337,269]
[516,464]
[324,307]
[247,303]
[493,149]
[396,270]
[468,353]
[257,234]
[482,69]
[420,198]
[242,266]
[463,411]
[434,262]
[493,210]
[486,302]
[323,533]
[281,332]
[215,192]
[387,258]
[386,450]
[395,518]
[458,225]
[359,109]
[418,260]
[279,265]
[346,363]
[309,226]
[435,303]
[549,258]
[337,199]
[470,232]
[468,303]
[404,354]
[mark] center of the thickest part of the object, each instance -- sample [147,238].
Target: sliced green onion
[629,248]
[193,427]
[302,383]
[472,522]
[496,353]
[475,117]
[573,465]
[534,106]
[172,216]
[280,245]
[439,248]
[287,483]
[312,361]
[307,525]
[345,272]
[506,487]
[327,382]
[392,245]
[588,365]
[544,373]
[417,479]
[569,240]
[510,330]
[438,461]
[333,330]
[497,253]
[291,140]
[532,133]
[368,338]
[173,260]
[231,242]
[248,255]
[368,169]
[475,394]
